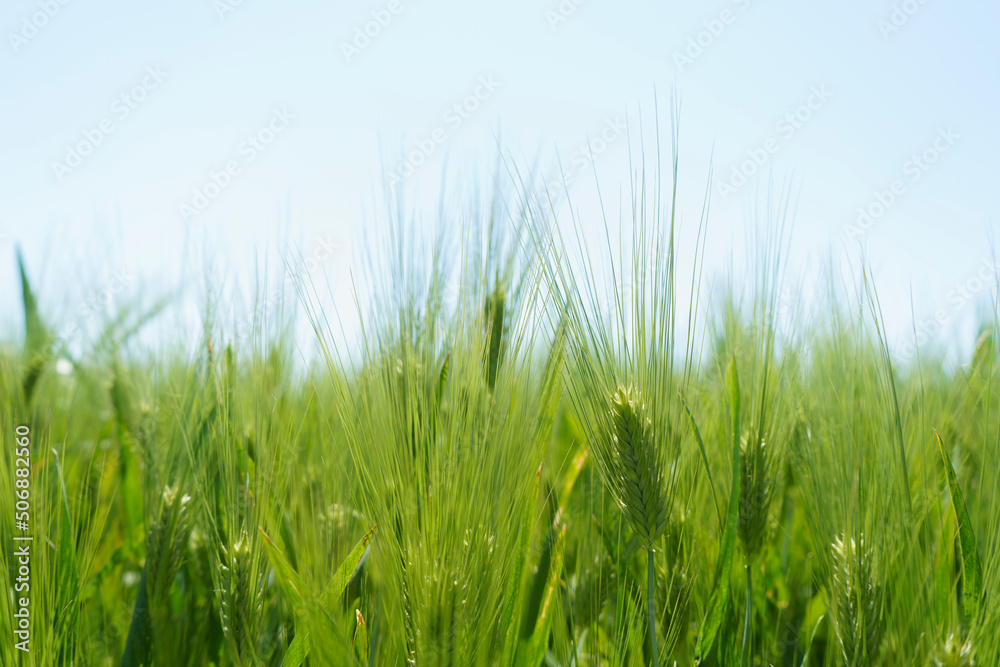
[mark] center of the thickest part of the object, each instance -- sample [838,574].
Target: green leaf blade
[724,565]
[972,568]
[338,584]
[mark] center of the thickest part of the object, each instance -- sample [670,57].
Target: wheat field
[521,460]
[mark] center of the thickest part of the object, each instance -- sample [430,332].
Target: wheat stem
[651,603]
[746,617]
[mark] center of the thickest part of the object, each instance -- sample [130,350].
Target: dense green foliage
[507,475]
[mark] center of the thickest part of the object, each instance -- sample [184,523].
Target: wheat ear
[639,478]
[858,593]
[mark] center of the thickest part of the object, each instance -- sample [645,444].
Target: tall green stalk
[651,603]
[746,617]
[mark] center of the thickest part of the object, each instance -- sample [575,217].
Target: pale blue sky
[542,82]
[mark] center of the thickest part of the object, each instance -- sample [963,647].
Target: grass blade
[724,565]
[338,584]
[139,642]
[704,456]
[812,638]
[293,587]
[972,569]
[297,651]
[509,623]
[539,642]
[68,577]
[579,461]
[288,578]
[361,639]
[36,336]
